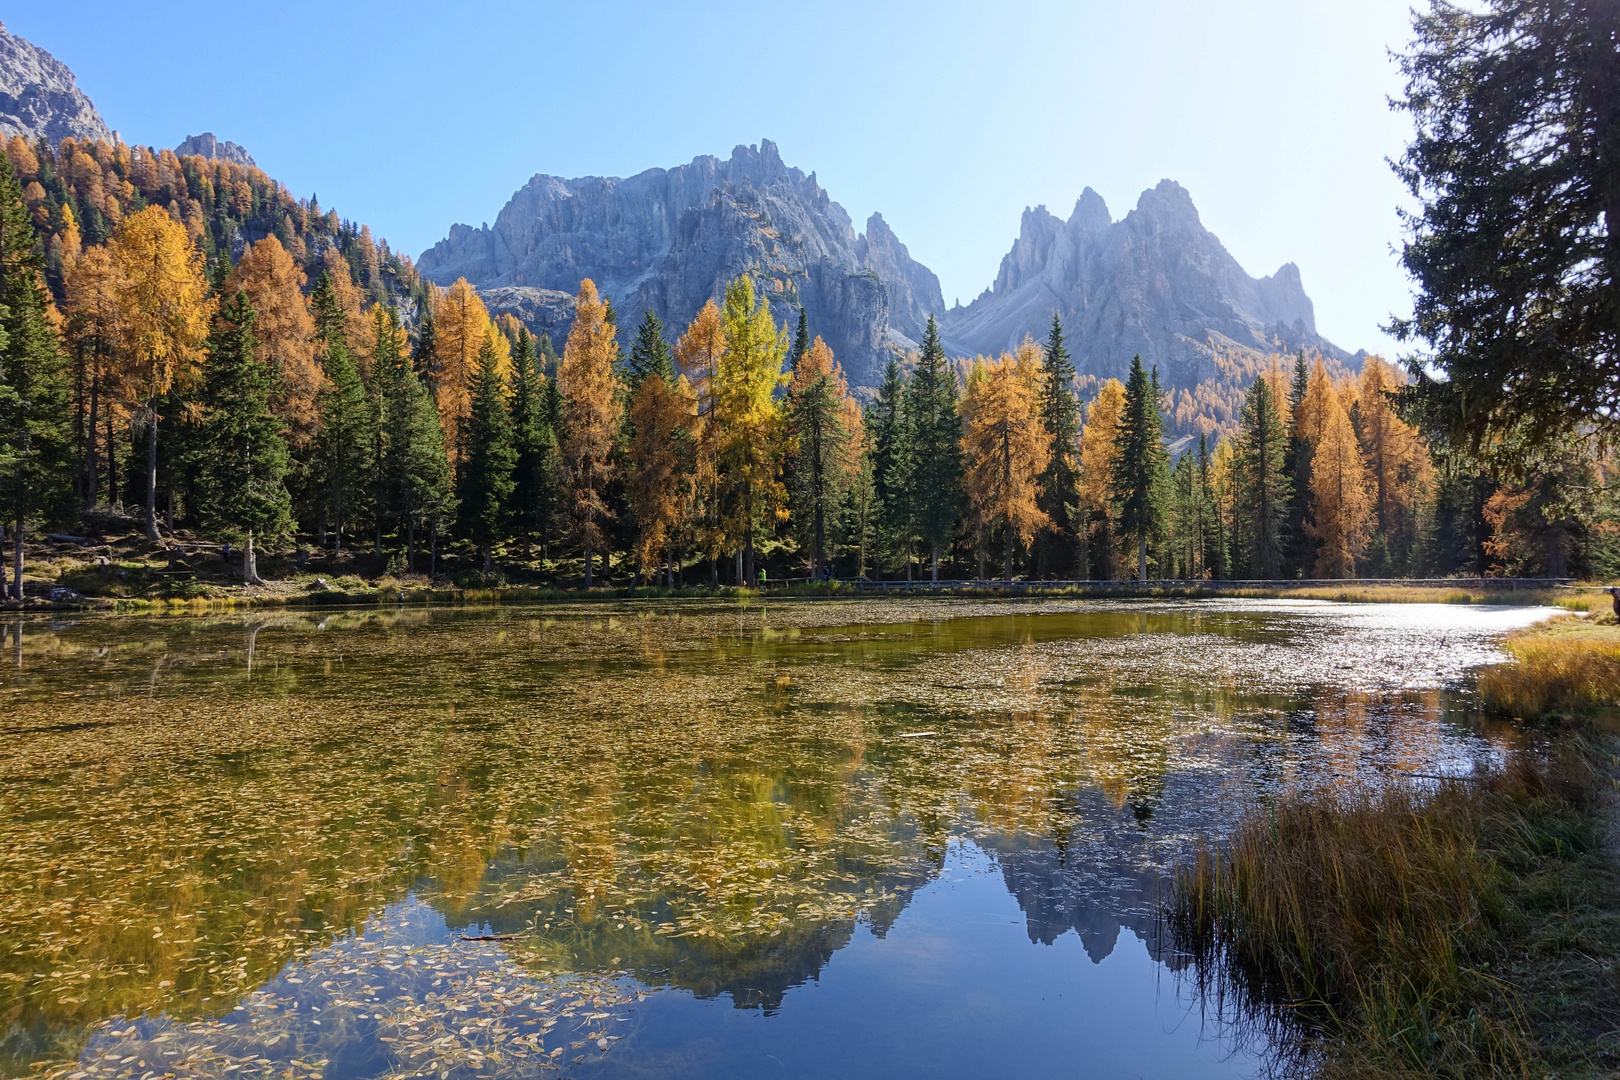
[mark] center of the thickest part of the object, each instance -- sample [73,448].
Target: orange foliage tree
[591,410]
[1006,447]
[285,333]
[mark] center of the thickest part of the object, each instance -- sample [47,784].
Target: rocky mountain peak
[210,147]
[39,98]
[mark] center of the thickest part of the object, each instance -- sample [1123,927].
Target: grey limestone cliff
[1156,283]
[669,240]
[40,98]
[210,147]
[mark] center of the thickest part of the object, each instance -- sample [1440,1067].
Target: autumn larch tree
[242,456]
[591,412]
[1141,469]
[1006,447]
[461,326]
[36,447]
[824,423]
[1099,450]
[91,292]
[164,312]
[1261,485]
[285,332]
[1397,461]
[1339,504]
[933,444]
[1060,482]
[663,415]
[484,481]
[698,356]
[749,417]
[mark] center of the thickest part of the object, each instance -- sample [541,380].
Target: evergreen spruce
[344,446]
[389,365]
[890,466]
[534,441]
[484,485]
[36,439]
[1263,486]
[422,354]
[649,354]
[417,466]
[1300,546]
[801,341]
[241,456]
[1060,483]
[933,428]
[1141,472]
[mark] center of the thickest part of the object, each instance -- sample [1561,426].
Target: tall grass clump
[1555,674]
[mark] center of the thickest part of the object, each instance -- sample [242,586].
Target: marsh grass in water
[1464,927]
[1569,666]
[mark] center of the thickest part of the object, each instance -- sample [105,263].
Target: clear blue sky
[949,118]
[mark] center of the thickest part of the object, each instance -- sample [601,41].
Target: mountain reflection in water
[687,840]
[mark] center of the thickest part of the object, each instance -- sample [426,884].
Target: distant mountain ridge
[1156,283]
[669,239]
[39,98]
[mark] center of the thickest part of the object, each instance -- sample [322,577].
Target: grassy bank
[1463,928]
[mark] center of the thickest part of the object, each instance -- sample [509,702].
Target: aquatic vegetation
[1567,667]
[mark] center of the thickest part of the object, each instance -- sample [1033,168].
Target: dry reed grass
[1565,667]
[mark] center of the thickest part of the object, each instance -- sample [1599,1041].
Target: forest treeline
[182,336]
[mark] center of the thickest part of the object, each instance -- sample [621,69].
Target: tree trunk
[250,563]
[151,476]
[489,558]
[1141,556]
[112,465]
[588,557]
[433,552]
[936,560]
[90,470]
[410,545]
[1006,564]
[714,572]
[17,561]
[5,592]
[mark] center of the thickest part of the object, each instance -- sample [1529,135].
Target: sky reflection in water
[698,839]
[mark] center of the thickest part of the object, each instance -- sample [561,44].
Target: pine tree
[862,511]
[388,366]
[1262,487]
[534,442]
[801,341]
[242,456]
[649,354]
[1141,470]
[824,423]
[1060,483]
[344,447]
[933,444]
[1297,464]
[418,468]
[891,459]
[484,482]
[36,447]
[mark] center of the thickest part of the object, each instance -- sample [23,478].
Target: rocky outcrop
[40,98]
[1156,283]
[210,147]
[669,240]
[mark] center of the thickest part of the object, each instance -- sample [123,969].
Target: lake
[897,838]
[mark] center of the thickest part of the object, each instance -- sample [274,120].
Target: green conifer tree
[650,354]
[418,469]
[890,466]
[1263,486]
[484,486]
[1301,548]
[344,446]
[934,447]
[422,353]
[801,341]
[36,440]
[1141,471]
[534,444]
[240,452]
[1059,494]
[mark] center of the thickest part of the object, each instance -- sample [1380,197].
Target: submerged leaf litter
[253,845]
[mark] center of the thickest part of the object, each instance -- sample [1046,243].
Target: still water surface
[896,838]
